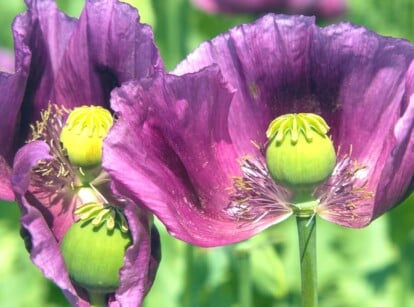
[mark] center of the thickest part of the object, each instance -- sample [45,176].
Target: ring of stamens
[255,194]
[59,178]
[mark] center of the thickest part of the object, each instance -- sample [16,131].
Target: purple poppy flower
[323,8]
[63,63]
[201,161]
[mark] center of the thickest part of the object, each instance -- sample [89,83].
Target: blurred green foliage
[21,283]
[371,267]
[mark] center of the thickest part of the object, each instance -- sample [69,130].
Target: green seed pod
[94,255]
[299,154]
[83,134]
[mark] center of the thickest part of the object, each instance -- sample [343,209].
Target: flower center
[95,244]
[301,177]
[304,160]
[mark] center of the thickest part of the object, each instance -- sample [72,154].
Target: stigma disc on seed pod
[300,154]
[83,134]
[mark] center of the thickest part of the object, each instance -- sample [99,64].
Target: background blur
[372,267]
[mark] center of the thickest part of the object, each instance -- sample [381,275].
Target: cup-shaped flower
[63,63]
[323,8]
[203,157]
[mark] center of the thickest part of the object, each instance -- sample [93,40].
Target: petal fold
[178,163]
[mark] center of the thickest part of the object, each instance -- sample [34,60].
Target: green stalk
[245,285]
[307,250]
[97,299]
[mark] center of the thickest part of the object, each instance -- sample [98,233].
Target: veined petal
[6,61]
[367,97]
[108,46]
[267,63]
[141,259]
[357,80]
[39,238]
[26,159]
[180,163]
[6,191]
[77,62]
[43,31]
[10,103]
[397,174]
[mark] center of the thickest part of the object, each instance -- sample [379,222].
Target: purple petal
[26,158]
[78,62]
[268,63]
[45,32]
[398,170]
[238,5]
[11,86]
[109,46]
[368,98]
[6,192]
[45,222]
[356,79]
[6,61]
[54,208]
[40,240]
[330,8]
[324,8]
[141,259]
[70,62]
[180,168]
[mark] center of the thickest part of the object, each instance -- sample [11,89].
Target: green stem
[189,298]
[245,287]
[307,248]
[97,299]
